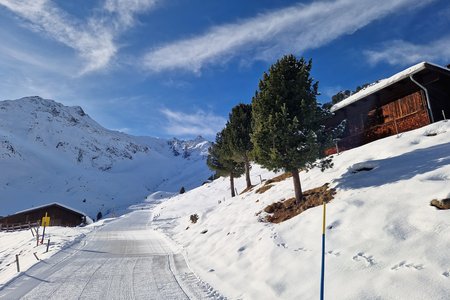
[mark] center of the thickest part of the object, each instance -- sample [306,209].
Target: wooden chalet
[415,97]
[60,215]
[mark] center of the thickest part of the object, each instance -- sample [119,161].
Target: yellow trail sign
[45,220]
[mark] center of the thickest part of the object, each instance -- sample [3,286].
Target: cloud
[403,53]
[191,124]
[93,39]
[125,10]
[266,36]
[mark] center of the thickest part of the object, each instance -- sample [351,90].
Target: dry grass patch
[268,183]
[284,210]
[279,178]
[441,204]
[263,188]
[247,190]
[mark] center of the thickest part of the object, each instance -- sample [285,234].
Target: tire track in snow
[123,260]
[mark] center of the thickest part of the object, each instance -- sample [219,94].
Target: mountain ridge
[54,151]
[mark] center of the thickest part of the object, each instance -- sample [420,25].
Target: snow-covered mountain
[51,152]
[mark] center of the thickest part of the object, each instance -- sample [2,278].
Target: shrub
[194,218]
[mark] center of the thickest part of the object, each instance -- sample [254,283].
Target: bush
[194,218]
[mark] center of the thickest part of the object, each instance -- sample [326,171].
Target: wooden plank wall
[403,107]
[404,114]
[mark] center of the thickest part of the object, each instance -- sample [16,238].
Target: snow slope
[53,153]
[384,240]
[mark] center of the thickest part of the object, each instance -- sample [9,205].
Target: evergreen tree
[287,121]
[220,160]
[99,215]
[238,131]
[342,95]
[182,190]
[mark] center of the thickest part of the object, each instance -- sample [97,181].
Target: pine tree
[238,130]
[287,121]
[342,95]
[220,160]
[99,215]
[182,190]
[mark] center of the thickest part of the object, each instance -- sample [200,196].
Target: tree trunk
[297,186]
[232,186]
[247,173]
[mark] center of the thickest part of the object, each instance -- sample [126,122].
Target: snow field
[383,239]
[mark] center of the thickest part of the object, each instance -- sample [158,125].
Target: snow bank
[384,240]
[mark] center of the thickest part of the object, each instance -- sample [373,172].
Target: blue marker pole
[322,276]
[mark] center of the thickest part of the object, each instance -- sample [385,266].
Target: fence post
[443,114]
[322,275]
[260,179]
[48,245]
[43,235]
[35,255]
[17,262]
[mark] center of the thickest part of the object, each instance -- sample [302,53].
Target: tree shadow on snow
[393,169]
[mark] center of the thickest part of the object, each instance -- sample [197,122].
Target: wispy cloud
[93,39]
[266,36]
[125,10]
[403,53]
[190,124]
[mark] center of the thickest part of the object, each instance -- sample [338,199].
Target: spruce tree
[287,121]
[220,160]
[238,130]
[99,215]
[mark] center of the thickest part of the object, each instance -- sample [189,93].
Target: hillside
[50,152]
[384,240]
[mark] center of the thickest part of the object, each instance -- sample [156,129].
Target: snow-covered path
[123,260]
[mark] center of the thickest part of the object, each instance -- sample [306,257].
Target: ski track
[123,260]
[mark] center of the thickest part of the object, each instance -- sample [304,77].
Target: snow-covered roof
[382,84]
[50,204]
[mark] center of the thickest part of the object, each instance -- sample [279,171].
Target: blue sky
[176,68]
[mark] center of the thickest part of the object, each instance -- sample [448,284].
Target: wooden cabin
[413,98]
[60,215]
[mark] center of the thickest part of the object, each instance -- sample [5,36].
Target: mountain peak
[56,152]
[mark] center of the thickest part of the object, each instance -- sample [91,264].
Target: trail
[125,259]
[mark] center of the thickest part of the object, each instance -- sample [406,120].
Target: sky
[176,68]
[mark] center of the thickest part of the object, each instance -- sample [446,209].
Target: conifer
[287,122]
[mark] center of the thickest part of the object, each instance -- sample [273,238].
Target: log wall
[404,114]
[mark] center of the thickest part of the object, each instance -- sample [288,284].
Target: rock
[441,204]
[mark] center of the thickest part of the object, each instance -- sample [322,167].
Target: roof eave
[384,83]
